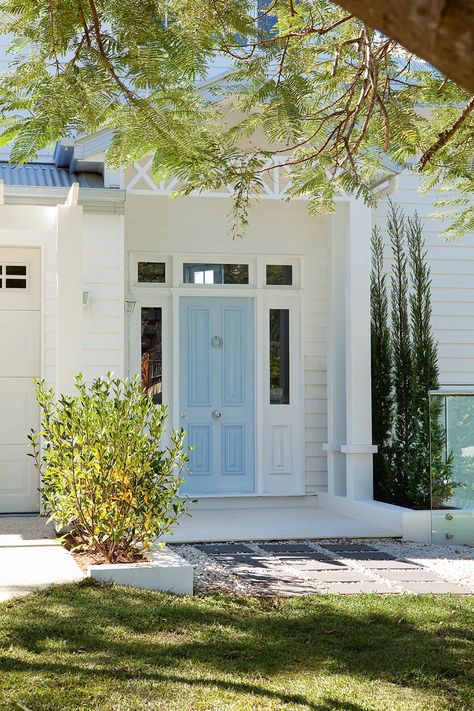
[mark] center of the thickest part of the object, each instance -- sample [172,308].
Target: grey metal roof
[47,175]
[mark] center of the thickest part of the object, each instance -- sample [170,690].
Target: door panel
[217,393]
[19,348]
[18,409]
[198,357]
[19,480]
[233,357]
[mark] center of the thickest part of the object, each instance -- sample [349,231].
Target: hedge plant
[404,370]
[106,474]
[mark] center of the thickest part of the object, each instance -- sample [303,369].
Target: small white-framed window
[222,274]
[279,274]
[282,272]
[14,277]
[149,270]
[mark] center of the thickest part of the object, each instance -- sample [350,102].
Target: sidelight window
[279,356]
[151,353]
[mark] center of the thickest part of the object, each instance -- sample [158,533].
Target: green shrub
[106,474]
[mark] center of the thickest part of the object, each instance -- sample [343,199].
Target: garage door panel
[18,410]
[19,344]
[20,349]
[19,480]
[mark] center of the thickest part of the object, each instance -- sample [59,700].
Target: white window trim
[4,276]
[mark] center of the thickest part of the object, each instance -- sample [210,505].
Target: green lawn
[86,646]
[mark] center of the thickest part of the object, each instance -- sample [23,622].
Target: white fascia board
[98,200]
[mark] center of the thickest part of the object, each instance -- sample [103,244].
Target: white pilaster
[69,308]
[349,448]
[358,447]
[336,364]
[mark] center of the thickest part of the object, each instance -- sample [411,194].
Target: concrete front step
[269,523]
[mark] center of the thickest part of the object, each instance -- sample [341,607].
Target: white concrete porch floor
[31,557]
[269,523]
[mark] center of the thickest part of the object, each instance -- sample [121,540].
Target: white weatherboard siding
[89,338]
[452,271]
[103,273]
[102,269]
[199,226]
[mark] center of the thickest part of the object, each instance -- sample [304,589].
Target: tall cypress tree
[425,358]
[404,369]
[425,378]
[381,350]
[402,442]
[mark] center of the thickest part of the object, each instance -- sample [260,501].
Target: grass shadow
[229,643]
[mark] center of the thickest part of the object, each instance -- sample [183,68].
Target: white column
[336,363]
[358,447]
[69,308]
[349,447]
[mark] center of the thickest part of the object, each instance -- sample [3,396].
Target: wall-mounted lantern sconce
[130,302]
[86,297]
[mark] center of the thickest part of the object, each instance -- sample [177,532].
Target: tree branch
[446,135]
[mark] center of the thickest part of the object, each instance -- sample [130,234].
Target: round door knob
[216,414]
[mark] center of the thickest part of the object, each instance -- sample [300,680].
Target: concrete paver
[224,548]
[288,548]
[364,555]
[355,588]
[337,576]
[410,575]
[346,547]
[388,564]
[344,568]
[439,587]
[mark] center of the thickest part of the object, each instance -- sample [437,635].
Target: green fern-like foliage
[306,83]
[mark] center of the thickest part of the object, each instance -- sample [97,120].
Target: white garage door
[20,299]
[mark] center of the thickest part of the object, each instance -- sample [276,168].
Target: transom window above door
[203,273]
[13,276]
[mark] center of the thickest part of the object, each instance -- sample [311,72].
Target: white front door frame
[285,477]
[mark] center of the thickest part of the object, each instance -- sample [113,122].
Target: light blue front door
[217,394]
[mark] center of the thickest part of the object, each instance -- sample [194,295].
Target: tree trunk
[439,31]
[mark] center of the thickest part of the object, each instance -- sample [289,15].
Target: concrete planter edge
[165,570]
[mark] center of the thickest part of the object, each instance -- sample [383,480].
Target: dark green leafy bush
[106,474]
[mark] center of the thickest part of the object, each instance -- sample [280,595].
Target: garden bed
[162,569]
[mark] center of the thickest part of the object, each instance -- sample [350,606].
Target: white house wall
[200,225]
[452,271]
[103,269]
[102,323]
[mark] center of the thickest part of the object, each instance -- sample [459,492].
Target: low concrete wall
[166,571]
[396,520]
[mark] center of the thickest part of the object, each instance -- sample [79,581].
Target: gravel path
[358,565]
